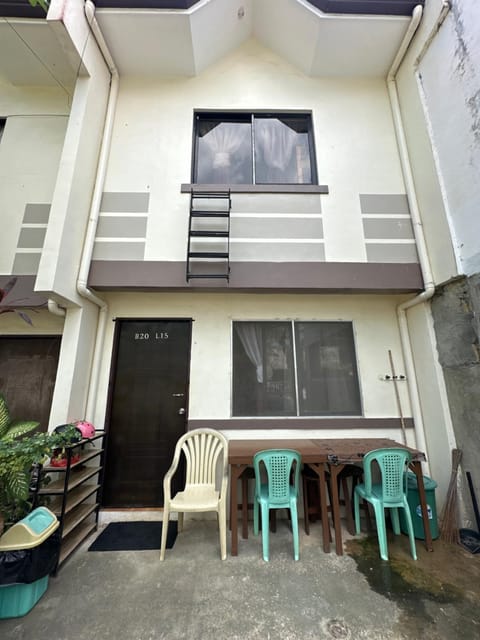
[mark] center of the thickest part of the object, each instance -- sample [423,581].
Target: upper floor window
[254,148]
[289,368]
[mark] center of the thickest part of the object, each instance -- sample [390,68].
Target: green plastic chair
[279,492]
[391,494]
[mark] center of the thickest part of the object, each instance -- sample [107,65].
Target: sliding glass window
[294,369]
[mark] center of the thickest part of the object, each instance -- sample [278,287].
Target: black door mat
[133,536]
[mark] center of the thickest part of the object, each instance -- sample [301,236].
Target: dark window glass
[267,382]
[326,367]
[282,153]
[253,149]
[263,372]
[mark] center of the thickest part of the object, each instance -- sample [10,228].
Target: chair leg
[395,520]
[180,521]
[245,506]
[222,527]
[411,536]
[265,531]
[381,530]
[348,505]
[255,516]
[306,517]
[356,506]
[294,518]
[163,544]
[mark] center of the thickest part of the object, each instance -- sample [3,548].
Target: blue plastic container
[413,498]
[18,599]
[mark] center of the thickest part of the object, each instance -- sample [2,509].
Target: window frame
[298,415]
[242,114]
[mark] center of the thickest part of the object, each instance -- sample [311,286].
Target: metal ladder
[208,250]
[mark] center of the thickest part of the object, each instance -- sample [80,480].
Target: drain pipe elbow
[55,309]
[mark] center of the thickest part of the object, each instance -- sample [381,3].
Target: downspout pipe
[429,287]
[82,280]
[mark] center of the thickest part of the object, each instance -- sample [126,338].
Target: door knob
[181,411]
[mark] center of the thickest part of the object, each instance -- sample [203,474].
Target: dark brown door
[28,369]
[148,409]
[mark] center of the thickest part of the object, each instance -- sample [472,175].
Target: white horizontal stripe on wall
[278,240]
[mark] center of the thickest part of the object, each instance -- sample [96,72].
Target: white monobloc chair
[205,450]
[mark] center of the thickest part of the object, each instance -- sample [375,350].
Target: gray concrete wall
[456,314]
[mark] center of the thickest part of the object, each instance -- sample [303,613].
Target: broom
[449,527]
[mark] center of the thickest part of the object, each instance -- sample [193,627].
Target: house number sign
[158,335]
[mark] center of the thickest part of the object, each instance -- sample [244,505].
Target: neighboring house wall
[441,103]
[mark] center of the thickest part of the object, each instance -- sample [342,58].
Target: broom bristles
[449,525]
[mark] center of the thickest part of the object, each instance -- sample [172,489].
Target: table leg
[320,471]
[235,471]
[334,471]
[417,469]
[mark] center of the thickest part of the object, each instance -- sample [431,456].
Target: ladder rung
[207,254]
[208,275]
[209,214]
[209,234]
[211,194]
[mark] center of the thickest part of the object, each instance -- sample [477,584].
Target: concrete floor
[194,595]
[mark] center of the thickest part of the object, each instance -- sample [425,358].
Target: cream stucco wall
[30,148]
[374,324]
[152,142]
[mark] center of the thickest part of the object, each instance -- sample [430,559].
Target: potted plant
[19,453]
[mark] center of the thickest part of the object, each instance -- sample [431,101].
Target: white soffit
[149,42]
[30,54]
[165,42]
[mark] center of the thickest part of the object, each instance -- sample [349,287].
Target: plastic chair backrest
[278,464]
[392,464]
[202,449]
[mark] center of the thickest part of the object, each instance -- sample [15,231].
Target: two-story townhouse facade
[283,120]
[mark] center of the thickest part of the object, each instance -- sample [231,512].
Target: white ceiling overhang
[164,42]
[184,42]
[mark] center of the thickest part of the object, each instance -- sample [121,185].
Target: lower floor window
[294,369]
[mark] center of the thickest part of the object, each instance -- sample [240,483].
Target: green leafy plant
[12,429]
[17,459]
[43,3]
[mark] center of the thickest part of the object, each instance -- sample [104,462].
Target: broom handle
[397,396]
[474,499]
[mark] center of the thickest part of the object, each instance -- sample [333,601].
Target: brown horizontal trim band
[256,188]
[326,422]
[260,277]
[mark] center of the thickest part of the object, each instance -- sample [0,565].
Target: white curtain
[223,140]
[250,334]
[276,141]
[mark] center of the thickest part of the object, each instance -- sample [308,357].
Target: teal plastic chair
[279,492]
[391,494]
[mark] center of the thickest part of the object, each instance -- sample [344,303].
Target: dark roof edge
[368,7]
[20,9]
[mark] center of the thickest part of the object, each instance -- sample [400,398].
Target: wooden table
[240,456]
[321,454]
